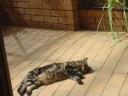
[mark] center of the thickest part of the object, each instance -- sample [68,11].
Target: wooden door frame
[5,81]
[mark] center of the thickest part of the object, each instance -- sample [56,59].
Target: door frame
[5,81]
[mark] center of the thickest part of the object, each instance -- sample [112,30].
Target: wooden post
[5,82]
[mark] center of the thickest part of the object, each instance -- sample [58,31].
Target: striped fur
[52,73]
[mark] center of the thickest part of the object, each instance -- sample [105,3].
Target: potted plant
[119,4]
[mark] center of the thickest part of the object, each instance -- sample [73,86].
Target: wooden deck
[28,48]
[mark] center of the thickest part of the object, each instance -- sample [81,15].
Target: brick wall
[54,14]
[59,14]
[89,19]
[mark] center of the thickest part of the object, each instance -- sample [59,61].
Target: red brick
[125,29]
[51,19]
[44,25]
[66,20]
[70,27]
[59,13]
[115,14]
[23,4]
[46,1]
[26,17]
[59,26]
[60,4]
[31,24]
[30,11]
[38,18]
[68,5]
[43,12]
[50,5]
[36,4]
[119,28]
[69,14]
[119,22]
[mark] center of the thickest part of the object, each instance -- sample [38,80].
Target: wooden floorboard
[28,48]
[124,89]
[99,83]
[122,67]
[114,85]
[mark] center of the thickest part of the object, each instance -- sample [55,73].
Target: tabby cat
[52,73]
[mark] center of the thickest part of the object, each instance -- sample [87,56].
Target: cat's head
[85,67]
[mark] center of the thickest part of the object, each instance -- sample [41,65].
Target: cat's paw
[80,82]
[29,91]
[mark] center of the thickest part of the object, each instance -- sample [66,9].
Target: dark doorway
[5,82]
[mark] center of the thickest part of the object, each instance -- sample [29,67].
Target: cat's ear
[85,59]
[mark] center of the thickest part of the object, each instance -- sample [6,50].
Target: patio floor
[28,48]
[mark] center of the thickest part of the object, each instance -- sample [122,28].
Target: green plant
[110,5]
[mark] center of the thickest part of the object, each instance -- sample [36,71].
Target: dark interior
[91,3]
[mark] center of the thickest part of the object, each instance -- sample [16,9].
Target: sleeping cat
[52,73]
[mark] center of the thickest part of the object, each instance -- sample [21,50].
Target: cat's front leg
[75,71]
[77,79]
[79,74]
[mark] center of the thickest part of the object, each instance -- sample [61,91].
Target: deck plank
[124,89]
[114,85]
[106,71]
[122,67]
